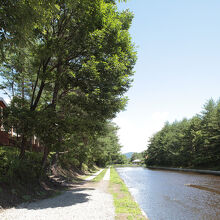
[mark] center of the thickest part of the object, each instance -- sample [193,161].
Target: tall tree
[81,57]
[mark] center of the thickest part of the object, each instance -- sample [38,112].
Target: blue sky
[178,67]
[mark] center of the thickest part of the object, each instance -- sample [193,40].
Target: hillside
[129,154]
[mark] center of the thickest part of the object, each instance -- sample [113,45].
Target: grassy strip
[125,206]
[85,176]
[100,176]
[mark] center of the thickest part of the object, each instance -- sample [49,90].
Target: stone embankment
[212,172]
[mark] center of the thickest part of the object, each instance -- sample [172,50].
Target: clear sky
[178,67]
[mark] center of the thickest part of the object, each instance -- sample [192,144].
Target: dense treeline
[191,142]
[138,156]
[65,66]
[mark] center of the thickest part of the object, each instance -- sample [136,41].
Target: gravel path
[87,201]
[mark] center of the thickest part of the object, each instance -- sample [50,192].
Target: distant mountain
[129,154]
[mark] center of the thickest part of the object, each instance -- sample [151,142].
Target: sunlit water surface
[174,195]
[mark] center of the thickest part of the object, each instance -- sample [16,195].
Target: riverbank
[172,194]
[125,205]
[102,195]
[129,165]
[212,172]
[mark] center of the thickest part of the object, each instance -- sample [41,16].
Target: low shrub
[22,171]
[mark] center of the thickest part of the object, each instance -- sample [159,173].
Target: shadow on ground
[67,198]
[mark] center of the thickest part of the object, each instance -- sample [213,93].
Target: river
[171,195]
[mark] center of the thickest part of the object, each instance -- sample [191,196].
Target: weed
[26,197]
[100,176]
[123,201]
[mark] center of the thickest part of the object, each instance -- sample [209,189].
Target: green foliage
[139,156]
[122,159]
[84,167]
[66,66]
[101,148]
[22,171]
[100,176]
[69,160]
[106,147]
[188,143]
[26,197]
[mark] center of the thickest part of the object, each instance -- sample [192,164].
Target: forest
[193,142]
[65,65]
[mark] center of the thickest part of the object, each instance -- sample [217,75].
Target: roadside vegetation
[89,172]
[190,143]
[100,176]
[125,206]
[19,180]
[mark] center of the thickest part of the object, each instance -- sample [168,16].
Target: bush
[22,171]
[68,160]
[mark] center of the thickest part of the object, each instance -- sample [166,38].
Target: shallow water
[174,195]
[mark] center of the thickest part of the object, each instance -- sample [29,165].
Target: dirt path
[84,201]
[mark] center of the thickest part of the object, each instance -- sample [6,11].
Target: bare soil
[83,200]
[14,194]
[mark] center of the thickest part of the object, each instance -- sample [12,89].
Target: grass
[100,176]
[125,206]
[90,172]
[19,179]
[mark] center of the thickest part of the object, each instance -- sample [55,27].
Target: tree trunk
[57,84]
[80,165]
[44,159]
[22,148]
[54,161]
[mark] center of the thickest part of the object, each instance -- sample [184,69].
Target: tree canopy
[188,143]
[66,66]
